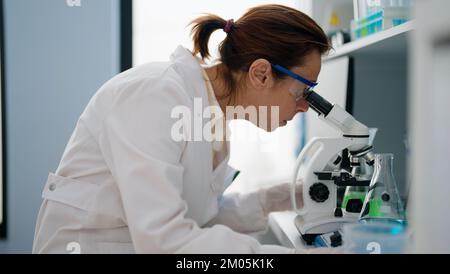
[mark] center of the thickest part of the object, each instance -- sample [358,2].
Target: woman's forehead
[310,68]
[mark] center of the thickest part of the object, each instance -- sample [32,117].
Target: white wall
[159,26]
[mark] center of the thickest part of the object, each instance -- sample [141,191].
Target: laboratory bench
[282,231]
[281,226]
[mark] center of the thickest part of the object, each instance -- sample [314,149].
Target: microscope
[320,169]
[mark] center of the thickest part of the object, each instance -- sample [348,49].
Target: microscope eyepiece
[318,103]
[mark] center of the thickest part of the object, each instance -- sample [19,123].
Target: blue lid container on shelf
[379,20]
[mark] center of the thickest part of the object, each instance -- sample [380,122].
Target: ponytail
[201,32]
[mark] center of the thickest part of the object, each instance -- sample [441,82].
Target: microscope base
[309,230]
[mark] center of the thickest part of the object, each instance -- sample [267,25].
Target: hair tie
[228,26]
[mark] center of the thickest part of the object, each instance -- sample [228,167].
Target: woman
[126,184]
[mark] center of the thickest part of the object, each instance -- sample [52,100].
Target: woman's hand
[278,197]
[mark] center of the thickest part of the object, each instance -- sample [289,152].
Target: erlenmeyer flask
[383,200]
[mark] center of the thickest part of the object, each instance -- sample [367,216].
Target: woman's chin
[274,127]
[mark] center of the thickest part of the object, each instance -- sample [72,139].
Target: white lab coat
[125,186]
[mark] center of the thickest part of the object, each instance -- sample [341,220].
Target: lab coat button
[52,187]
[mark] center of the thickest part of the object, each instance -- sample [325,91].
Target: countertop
[284,230]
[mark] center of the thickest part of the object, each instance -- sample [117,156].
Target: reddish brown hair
[279,34]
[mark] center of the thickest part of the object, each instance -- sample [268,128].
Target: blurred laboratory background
[389,67]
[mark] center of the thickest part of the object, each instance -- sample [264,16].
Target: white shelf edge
[370,40]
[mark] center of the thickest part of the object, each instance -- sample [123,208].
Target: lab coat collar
[189,67]
[190,70]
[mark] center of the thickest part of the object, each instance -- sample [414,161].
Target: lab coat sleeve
[145,162]
[242,212]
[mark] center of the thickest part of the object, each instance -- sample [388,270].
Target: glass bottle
[383,200]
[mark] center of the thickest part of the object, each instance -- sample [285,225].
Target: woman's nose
[302,106]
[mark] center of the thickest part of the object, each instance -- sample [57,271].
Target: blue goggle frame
[295,76]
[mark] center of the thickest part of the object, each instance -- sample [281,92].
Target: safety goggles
[297,89]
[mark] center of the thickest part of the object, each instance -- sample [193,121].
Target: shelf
[391,41]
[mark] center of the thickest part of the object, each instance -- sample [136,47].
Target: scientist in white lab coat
[126,184]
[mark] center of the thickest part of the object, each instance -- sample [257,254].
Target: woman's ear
[260,74]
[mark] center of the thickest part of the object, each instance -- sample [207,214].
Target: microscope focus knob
[319,192]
